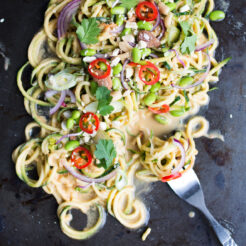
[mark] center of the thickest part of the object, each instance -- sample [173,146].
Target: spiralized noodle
[140,153]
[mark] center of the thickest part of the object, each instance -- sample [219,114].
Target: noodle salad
[109,78]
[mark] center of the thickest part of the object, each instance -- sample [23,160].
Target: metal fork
[189,189]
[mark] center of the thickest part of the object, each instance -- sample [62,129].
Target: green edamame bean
[118,10]
[165,49]
[71,145]
[70,123]
[88,52]
[126,31]
[217,15]
[119,20]
[103,66]
[173,35]
[155,87]
[93,87]
[186,81]
[75,114]
[116,84]
[146,52]
[178,112]
[171,6]
[117,69]
[161,119]
[150,99]
[145,25]
[136,55]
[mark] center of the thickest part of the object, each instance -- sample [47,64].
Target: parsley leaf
[128,4]
[104,100]
[185,27]
[105,152]
[189,44]
[88,31]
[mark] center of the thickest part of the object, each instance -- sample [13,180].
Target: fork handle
[222,233]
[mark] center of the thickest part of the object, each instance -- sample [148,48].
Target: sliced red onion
[50,93]
[82,45]
[59,103]
[178,57]
[68,136]
[182,160]
[153,55]
[163,29]
[85,186]
[115,3]
[65,17]
[118,29]
[122,74]
[157,20]
[204,46]
[132,44]
[105,56]
[71,95]
[83,178]
[198,82]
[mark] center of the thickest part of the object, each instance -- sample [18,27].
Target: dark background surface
[28,216]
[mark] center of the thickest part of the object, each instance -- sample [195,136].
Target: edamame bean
[88,52]
[118,10]
[150,99]
[165,49]
[178,112]
[119,19]
[161,119]
[155,87]
[217,15]
[146,52]
[186,81]
[116,84]
[145,25]
[136,55]
[117,69]
[71,145]
[171,6]
[126,31]
[75,114]
[173,35]
[103,66]
[93,87]
[70,123]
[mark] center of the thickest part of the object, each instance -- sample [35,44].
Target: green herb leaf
[105,152]
[88,31]
[189,44]
[104,99]
[128,4]
[185,27]
[175,100]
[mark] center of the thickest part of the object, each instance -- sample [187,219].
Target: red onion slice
[83,178]
[50,93]
[68,136]
[132,44]
[118,29]
[182,151]
[59,103]
[122,74]
[198,82]
[157,20]
[178,57]
[162,30]
[82,45]
[204,46]
[71,95]
[65,17]
[85,186]
[154,55]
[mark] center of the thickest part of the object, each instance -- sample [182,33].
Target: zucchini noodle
[166,83]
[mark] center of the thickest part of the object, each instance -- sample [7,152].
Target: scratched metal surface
[28,216]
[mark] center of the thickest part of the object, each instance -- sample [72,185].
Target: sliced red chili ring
[161,110]
[96,72]
[149,74]
[89,122]
[81,160]
[146,11]
[171,177]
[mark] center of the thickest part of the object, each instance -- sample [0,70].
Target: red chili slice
[87,121]
[146,11]
[171,177]
[149,73]
[96,72]
[81,157]
[161,110]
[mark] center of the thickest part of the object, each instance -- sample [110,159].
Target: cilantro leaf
[105,152]
[189,44]
[185,27]
[104,99]
[88,31]
[128,4]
